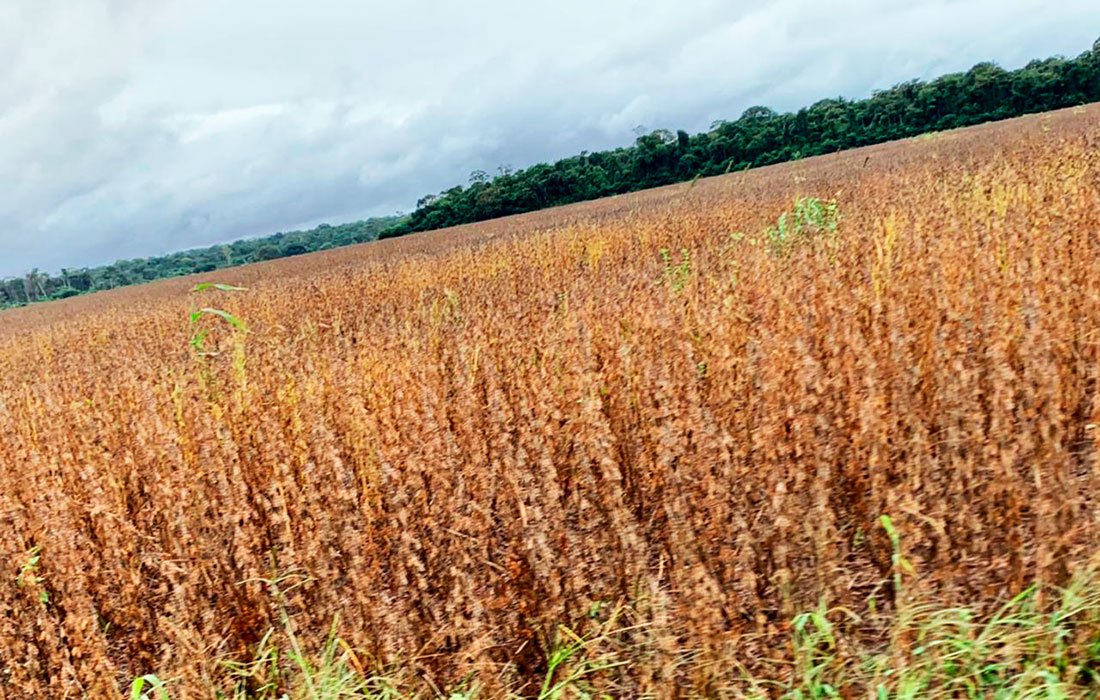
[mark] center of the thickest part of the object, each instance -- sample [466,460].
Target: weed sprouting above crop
[200,332]
[809,218]
[207,286]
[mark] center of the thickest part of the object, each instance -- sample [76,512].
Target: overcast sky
[138,127]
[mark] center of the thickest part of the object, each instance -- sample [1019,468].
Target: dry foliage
[457,441]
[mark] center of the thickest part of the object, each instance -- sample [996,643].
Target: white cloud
[195,127]
[134,127]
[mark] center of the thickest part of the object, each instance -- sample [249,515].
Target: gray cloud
[135,127]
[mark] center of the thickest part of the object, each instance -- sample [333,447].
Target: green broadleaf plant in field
[809,218]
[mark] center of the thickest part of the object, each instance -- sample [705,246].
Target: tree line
[39,286]
[760,136]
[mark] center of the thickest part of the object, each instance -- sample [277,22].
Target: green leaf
[225,316]
[888,525]
[204,286]
[138,686]
[199,340]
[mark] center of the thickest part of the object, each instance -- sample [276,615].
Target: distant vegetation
[39,286]
[759,137]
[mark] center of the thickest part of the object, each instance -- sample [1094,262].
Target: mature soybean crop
[622,445]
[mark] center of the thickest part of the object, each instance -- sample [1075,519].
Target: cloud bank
[137,127]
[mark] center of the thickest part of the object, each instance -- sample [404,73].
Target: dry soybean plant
[532,458]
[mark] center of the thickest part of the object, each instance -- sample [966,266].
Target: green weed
[28,575]
[158,689]
[676,274]
[809,218]
[200,334]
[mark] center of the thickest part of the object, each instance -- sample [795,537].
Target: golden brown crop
[456,441]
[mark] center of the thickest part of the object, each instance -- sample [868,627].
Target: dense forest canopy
[760,136]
